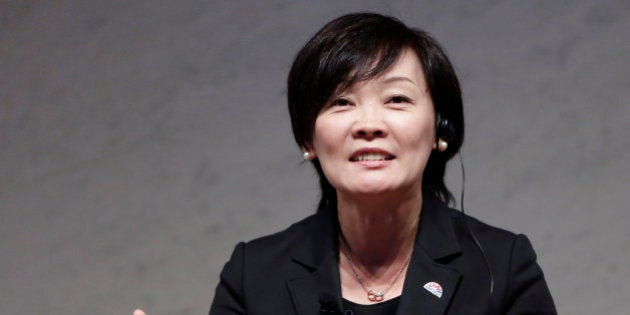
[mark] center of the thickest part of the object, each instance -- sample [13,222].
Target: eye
[340,102]
[399,99]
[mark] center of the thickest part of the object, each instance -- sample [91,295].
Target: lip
[373,163]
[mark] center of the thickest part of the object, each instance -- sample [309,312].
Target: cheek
[326,137]
[326,147]
[419,145]
[418,132]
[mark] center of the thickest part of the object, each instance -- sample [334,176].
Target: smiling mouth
[371,156]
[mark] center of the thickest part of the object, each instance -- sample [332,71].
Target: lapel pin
[434,288]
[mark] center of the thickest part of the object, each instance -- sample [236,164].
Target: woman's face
[376,137]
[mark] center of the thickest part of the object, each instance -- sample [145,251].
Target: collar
[435,243]
[436,234]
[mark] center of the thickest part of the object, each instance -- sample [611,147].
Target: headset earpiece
[444,129]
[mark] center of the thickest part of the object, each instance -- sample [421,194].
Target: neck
[379,230]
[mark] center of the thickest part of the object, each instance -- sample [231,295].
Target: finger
[138,312]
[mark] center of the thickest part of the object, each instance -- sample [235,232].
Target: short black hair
[361,46]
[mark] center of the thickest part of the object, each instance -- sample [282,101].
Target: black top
[384,308]
[297,271]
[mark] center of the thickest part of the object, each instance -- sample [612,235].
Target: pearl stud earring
[442,145]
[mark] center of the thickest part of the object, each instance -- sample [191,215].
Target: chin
[380,187]
[372,188]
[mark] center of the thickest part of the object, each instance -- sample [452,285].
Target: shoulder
[445,224]
[505,248]
[281,241]
[489,233]
[469,229]
[501,247]
[478,226]
[518,281]
[306,241]
[255,275]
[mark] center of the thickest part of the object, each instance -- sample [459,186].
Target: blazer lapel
[429,283]
[428,287]
[318,290]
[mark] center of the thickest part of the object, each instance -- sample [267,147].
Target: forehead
[407,69]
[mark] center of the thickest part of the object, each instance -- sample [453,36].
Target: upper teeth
[371,157]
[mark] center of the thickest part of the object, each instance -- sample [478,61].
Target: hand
[139,312]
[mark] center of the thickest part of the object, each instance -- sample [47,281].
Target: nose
[369,123]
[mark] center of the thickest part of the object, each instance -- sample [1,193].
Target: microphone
[328,304]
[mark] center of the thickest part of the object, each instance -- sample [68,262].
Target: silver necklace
[372,295]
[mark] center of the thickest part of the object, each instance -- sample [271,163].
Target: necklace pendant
[375,296]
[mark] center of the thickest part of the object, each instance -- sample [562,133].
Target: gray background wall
[140,140]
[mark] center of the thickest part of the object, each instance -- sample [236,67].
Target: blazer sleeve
[229,297]
[527,291]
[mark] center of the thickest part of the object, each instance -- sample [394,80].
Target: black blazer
[296,271]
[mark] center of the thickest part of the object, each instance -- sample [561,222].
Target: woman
[376,107]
